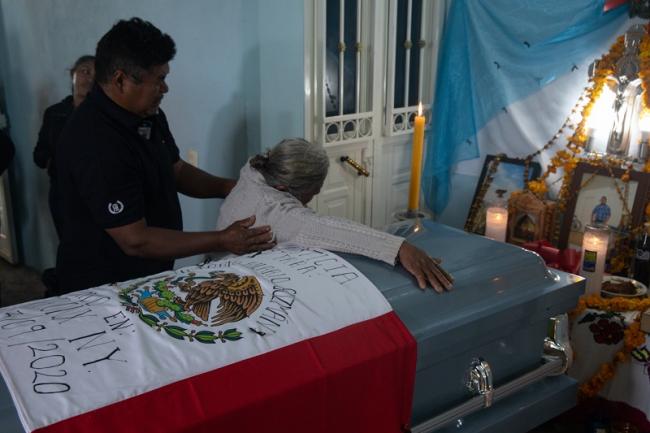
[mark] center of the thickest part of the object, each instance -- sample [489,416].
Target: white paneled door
[344,191]
[367,65]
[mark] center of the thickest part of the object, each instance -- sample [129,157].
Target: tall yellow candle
[416,161]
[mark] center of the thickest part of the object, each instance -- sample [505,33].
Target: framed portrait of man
[600,197]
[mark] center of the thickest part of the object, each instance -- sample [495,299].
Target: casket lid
[496,284]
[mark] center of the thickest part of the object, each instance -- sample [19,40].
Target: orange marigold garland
[567,160]
[633,337]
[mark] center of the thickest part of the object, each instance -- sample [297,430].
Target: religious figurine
[529,218]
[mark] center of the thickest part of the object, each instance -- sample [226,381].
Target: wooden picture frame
[589,185]
[509,175]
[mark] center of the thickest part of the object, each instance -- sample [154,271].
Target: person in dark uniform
[119,172]
[7,151]
[55,117]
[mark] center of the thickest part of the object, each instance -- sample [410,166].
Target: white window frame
[316,123]
[433,13]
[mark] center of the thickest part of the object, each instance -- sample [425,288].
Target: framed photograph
[7,236]
[507,177]
[596,200]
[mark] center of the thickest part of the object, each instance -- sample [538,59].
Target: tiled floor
[19,284]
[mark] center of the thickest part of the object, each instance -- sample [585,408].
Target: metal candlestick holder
[409,223]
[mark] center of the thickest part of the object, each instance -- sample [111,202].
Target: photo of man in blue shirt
[601,213]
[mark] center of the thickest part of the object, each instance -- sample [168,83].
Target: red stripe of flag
[358,379]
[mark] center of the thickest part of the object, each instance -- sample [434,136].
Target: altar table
[596,337]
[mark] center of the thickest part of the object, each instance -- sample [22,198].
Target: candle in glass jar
[594,252]
[496,223]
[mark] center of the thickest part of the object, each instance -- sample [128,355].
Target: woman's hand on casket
[240,238]
[426,270]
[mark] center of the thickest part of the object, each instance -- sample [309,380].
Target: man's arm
[138,239]
[43,150]
[196,183]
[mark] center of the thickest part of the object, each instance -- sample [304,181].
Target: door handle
[361,171]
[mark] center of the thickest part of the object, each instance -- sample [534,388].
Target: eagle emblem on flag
[239,297]
[180,304]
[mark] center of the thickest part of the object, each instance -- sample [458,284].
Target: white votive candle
[594,252]
[496,223]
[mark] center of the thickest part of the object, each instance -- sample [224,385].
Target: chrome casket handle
[559,345]
[557,359]
[479,380]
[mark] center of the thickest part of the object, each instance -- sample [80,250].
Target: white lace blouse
[291,221]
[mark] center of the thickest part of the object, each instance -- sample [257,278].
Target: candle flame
[593,241]
[420,109]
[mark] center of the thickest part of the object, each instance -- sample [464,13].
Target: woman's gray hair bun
[259,162]
[296,164]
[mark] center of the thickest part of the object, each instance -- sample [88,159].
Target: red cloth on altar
[567,260]
[357,379]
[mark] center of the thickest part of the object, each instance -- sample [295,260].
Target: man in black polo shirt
[120,172]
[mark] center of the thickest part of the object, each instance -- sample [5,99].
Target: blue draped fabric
[493,53]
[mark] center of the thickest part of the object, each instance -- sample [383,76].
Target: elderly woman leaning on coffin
[276,187]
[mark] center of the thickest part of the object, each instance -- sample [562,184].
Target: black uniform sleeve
[43,150]
[111,186]
[7,151]
[168,138]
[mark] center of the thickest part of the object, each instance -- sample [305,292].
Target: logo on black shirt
[144,130]
[116,207]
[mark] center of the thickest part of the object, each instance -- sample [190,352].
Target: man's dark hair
[132,46]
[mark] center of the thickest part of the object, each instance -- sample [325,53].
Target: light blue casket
[489,332]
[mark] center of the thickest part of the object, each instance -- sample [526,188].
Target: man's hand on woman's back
[240,238]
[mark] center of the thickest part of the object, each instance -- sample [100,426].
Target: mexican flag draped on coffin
[288,340]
